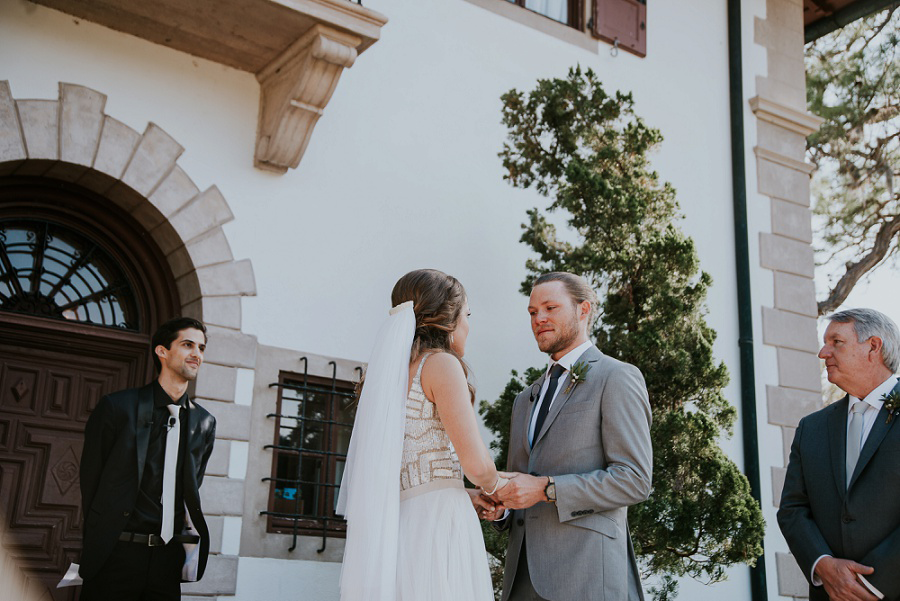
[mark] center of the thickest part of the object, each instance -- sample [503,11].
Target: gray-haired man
[839,509]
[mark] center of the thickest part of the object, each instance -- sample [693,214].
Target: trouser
[522,589]
[136,572]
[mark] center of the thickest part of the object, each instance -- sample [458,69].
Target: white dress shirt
[874,402]
[566,361]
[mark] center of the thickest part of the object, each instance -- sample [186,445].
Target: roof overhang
[821,17]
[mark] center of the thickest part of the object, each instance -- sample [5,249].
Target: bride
[412,534]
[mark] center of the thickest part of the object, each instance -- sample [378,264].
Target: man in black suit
[839,509]
[134,542]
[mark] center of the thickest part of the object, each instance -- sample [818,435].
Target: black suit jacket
[112,464]
[819,515]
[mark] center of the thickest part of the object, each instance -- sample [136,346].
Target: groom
[580,436]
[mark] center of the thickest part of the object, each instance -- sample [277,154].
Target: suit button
[589,511]
[520,522]
[575,514]
[126,513]
[846,519]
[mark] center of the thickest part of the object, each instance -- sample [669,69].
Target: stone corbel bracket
[295,88]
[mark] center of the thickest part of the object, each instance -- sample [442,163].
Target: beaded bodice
[428,454]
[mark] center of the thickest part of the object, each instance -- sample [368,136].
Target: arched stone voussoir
[80,123]
[72,138]
[174,192]
[201,214]
[228,279]
[12,146]
[153,159]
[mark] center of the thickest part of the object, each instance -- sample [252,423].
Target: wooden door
[50,380]
[82,286]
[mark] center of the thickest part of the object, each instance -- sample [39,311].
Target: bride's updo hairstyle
[438,301]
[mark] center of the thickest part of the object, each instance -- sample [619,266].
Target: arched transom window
[50,270]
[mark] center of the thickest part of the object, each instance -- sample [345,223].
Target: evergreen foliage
[587,151]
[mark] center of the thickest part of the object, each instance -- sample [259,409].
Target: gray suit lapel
[879,430]
[591,356]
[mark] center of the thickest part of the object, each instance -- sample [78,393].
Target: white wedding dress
[412,534]
[441,554]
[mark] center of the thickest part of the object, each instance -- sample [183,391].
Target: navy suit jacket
[112,464]
[819,515]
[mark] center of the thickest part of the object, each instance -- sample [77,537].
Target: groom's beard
[565,336]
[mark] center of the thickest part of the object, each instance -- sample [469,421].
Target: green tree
[587,151]
[853,82]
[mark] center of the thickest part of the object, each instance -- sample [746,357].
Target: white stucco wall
[402,172]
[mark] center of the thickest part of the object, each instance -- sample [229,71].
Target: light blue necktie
[854,437]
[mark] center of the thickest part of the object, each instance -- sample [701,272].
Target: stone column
[782,125]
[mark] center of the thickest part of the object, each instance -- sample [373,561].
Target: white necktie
[169,469]
[854,437]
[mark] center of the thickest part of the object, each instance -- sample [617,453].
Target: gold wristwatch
[550,490]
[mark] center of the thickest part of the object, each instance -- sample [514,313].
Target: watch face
[551,491]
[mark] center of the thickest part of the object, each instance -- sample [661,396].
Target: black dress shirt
[146,518]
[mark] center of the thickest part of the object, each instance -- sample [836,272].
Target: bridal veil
[370,488]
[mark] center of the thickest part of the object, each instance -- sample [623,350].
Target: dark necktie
[555,372]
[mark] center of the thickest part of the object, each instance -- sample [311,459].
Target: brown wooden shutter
[622,20]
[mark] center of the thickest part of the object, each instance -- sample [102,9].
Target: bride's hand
[485,507]
[492,516]
[480,502]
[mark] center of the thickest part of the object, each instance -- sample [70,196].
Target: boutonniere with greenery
[578,374]
[891,403]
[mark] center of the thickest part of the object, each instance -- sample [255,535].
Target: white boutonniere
[892,404]
[578,375]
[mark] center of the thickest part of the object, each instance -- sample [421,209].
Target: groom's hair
[578,288]
[868,323]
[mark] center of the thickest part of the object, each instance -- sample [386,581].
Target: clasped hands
[520,491]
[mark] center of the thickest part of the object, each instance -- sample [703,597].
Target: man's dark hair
[167,333]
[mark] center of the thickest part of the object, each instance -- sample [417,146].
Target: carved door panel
[46,397]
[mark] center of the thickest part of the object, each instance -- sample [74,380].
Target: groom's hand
[523,490]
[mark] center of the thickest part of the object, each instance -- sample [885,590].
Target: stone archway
[72,139]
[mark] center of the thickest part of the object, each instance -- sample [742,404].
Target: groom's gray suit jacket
[819,515]
[595,442]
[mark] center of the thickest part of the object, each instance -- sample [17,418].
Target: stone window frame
[256,541]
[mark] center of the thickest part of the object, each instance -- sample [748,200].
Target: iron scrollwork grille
[313,422]
[49,270]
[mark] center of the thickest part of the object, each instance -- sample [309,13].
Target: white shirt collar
[570,358]
[876,397]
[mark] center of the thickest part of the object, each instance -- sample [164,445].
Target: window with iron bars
[313,421]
